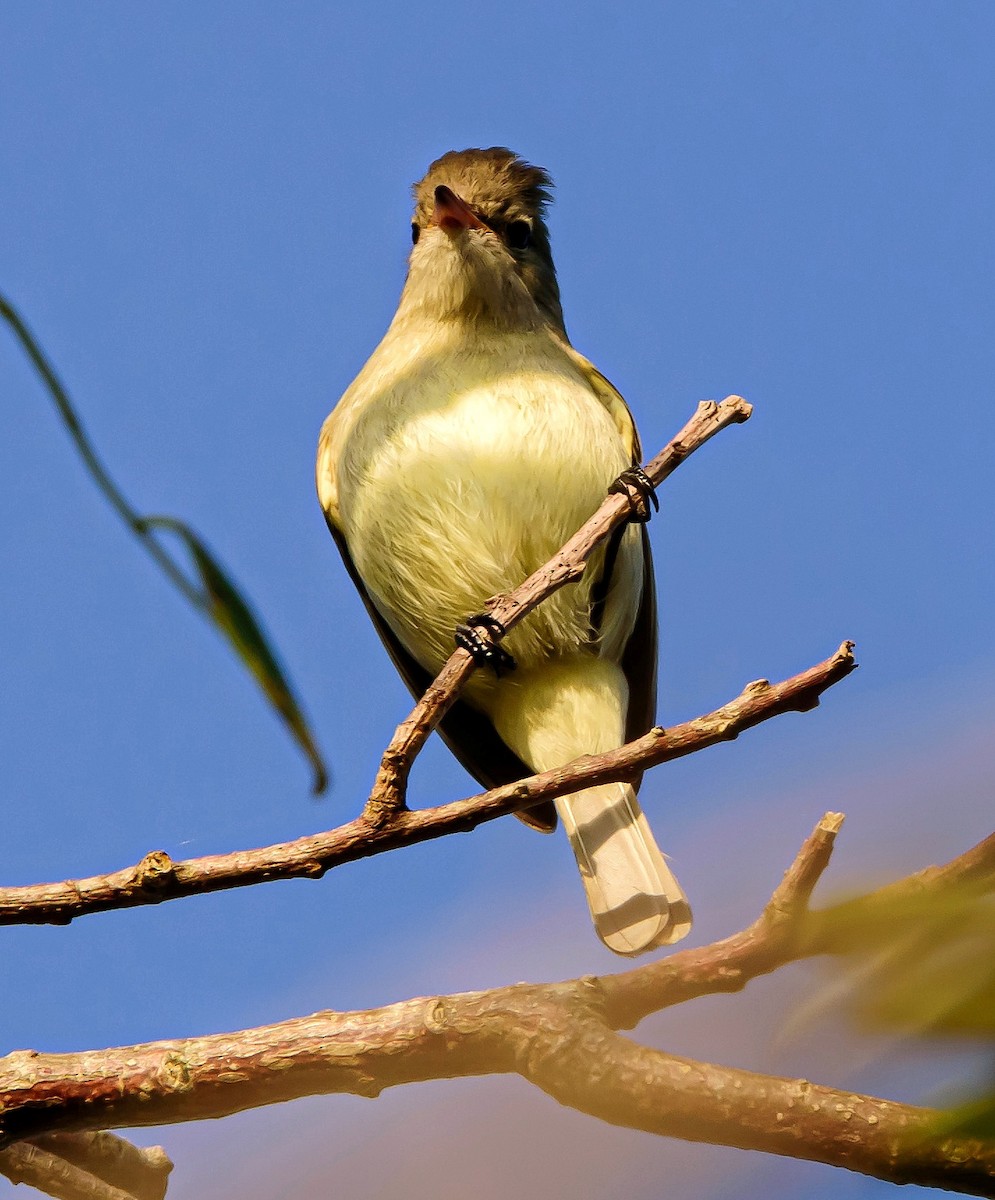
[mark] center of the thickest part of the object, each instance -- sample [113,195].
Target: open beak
[453,214]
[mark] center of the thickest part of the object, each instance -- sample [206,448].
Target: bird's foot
[486,653]
[639,490]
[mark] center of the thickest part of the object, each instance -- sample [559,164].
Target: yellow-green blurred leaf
[975,1119]
[926,962]
[922,963]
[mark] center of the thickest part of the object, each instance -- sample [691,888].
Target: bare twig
[157,877]
[791,896]
[27,1162]
[141,1171]
[560,1036]
[728,965]
[566,566]
[785,931]
[88,1166]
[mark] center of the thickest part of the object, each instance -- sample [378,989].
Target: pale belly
[455,493]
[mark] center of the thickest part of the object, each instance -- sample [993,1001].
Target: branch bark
[562,1037]
[158,878]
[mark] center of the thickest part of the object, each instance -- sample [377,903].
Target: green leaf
[218,598]
[231,613]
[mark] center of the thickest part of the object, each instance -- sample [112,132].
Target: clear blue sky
[205,219]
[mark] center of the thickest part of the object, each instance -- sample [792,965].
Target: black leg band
[485,652]
[639,490]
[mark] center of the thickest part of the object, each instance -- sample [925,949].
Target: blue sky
[206,222]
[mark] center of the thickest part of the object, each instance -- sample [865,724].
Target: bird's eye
[519,235]
[415,233]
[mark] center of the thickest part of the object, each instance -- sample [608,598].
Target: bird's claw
[639,490]
[484,652]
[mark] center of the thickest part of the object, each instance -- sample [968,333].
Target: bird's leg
[640,491]
[484,651]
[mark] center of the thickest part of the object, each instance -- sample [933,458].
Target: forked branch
[386,823]
[158,878]
[561,1037]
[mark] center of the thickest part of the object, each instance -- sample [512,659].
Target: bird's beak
[453,214]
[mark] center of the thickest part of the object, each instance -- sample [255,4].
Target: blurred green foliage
[923,964]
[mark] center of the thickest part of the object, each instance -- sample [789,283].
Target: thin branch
[158,878]
[566,566]
[386,823]
[88,1166]
[792,894]
[558,1036]
[784,932]
[728,965]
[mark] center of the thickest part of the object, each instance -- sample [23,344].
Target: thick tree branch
[566,566]
[642,1089]
[561,1037]
[157,877]
[625,1084]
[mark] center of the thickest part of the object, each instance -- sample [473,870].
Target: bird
[471,445]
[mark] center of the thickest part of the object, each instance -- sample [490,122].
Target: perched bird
[473,443]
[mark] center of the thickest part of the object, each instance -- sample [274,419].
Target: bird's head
[481,246]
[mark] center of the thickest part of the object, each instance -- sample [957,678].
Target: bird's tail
[555,712]
[635,900]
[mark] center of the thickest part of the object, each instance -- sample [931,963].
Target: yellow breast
[464,465]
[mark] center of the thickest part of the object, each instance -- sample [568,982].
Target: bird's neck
[468,287]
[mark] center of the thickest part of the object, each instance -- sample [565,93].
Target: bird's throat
[467,277]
